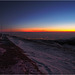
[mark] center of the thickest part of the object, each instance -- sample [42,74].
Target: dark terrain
[13,60]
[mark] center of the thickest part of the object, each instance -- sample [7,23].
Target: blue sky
[37,14]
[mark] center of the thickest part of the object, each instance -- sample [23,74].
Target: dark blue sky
[43,15]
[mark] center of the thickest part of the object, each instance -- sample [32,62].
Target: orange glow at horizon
[40,30]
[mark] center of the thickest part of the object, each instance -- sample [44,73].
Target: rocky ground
[13,60]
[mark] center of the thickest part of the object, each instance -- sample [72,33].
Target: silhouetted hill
[70,41]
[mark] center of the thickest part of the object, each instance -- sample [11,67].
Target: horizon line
[37,31]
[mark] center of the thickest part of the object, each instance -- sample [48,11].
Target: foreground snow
[14,61]
[50,59]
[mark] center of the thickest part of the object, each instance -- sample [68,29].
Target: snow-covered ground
[13,61]
[49,59]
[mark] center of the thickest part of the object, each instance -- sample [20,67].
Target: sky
[37,16]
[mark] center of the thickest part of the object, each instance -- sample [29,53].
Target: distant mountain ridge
[70,41]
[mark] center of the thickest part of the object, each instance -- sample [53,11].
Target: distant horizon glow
[36,16]
[59,28]
[38,30]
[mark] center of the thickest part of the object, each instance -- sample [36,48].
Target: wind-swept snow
[51,60]
[13,61]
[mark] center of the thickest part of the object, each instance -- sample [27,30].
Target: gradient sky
[37,16]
